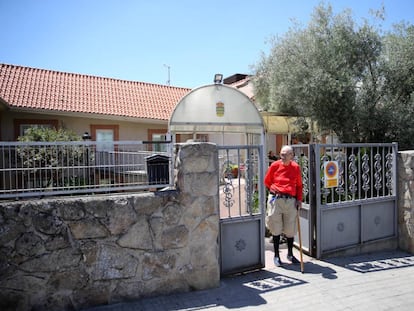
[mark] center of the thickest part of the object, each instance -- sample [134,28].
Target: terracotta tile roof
[25,87]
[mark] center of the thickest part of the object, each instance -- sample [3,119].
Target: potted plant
[235,170]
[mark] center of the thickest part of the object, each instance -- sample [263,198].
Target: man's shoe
[292,259]
[277,261]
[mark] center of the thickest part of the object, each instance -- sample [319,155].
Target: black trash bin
[157,169]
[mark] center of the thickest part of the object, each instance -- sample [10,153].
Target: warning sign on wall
[331,174]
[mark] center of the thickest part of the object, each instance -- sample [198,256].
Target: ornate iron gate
[242,208]
[305,157]
[349,195]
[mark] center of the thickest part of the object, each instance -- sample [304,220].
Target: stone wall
[71,253]
[406,200]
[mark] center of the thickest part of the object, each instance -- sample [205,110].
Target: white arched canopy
[216,108]
[221,110]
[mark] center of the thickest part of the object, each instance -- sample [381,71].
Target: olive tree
[335,72]
[398,93]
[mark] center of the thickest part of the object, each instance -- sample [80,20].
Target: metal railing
[31,169]
[364,171]
[240,175]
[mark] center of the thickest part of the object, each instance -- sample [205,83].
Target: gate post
[312,201]
[317,170]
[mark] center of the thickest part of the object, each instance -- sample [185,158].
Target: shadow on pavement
[374,261]
[245,290]
[235,292]
[312,268]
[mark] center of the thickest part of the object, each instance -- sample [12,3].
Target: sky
[181,43]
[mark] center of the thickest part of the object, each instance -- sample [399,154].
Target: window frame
[18,123]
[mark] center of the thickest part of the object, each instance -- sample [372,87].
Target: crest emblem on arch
[220,109]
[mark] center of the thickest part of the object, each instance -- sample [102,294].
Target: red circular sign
[331,169]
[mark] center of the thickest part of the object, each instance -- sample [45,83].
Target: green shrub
[54,158]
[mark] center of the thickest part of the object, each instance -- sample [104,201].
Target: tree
[398,94]
[45,134]
[333,71]
[51,161]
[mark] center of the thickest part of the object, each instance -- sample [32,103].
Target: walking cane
[300,243]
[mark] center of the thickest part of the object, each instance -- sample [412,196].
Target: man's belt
[280,195]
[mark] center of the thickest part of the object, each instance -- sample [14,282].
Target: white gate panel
[378,220]
[340,227]
[305,228]
[241,245]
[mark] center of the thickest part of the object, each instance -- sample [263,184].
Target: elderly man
[284,181]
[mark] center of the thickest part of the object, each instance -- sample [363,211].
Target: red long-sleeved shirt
[285,179]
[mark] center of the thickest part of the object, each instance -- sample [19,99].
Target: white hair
[287,148]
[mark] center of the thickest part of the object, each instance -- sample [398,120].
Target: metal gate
[242,208]
[349,195]
[305,157]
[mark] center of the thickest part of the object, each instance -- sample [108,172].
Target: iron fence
[364,171]
[359,171]
[239,180]
[30,169]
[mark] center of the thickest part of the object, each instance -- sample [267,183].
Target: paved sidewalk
[380,281]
